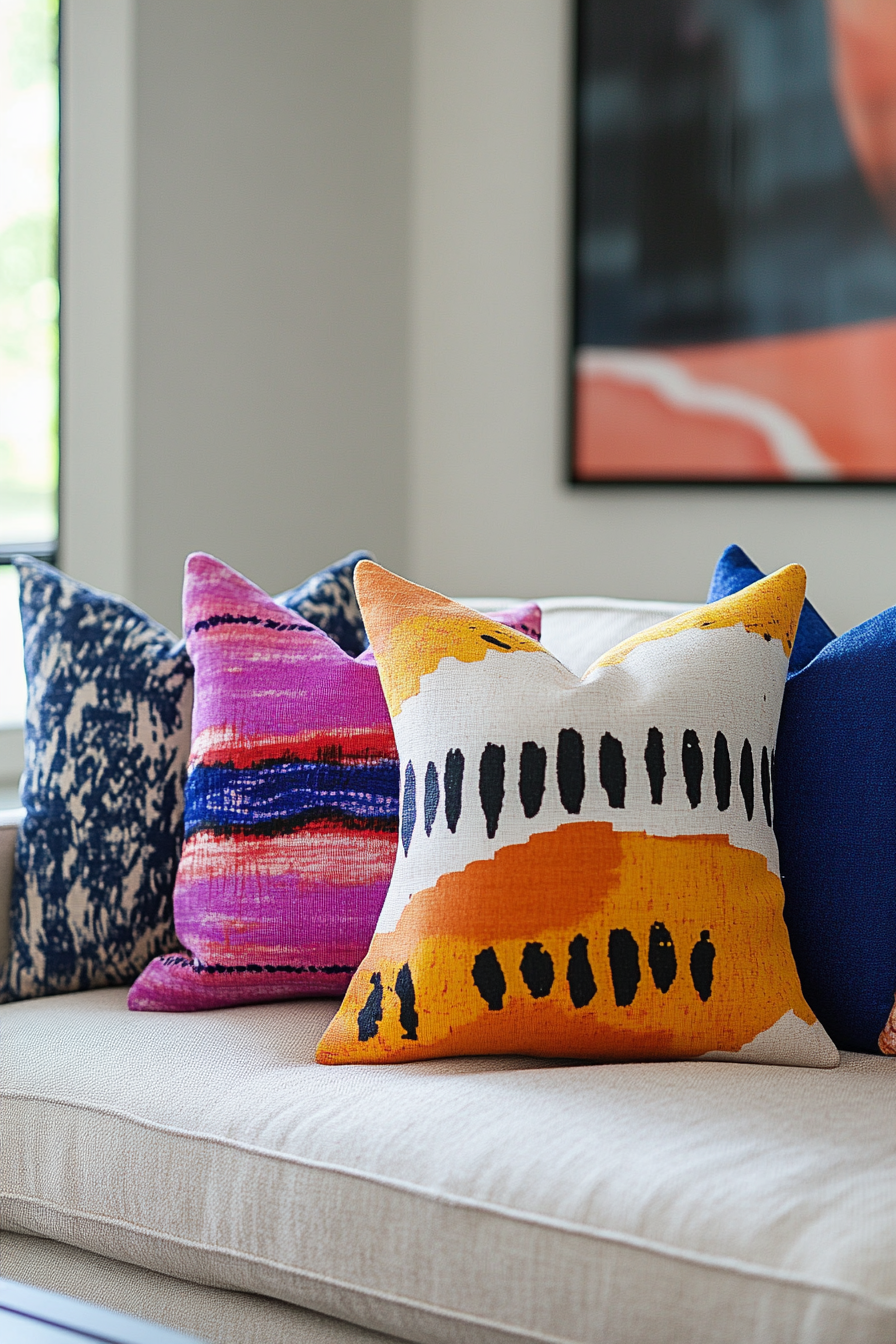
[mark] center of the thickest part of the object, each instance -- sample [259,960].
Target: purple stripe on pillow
[239,895]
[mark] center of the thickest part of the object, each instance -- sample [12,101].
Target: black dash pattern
[571,769]
[371,1015]
[746,778]
[661,957]
[537,969]
[407,998]
[612,770]
[454,788]
[491,786]
[721,772]
[533,772]
[702,957]
[488,978]
[692,766]
[655,761]
[625,966]
[579,975]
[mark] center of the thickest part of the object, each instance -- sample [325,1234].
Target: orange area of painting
[584,879]
[837,383]
[411,629]
[863,51]
[625,431]
[770,607]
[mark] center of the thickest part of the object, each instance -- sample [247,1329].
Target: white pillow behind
[579,629]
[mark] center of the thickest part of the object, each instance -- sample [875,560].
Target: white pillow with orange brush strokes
[587,866]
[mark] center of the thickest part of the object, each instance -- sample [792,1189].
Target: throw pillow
[328,600]
[586,868]
[291,804]
[107,734]
[734,571]
[835,820]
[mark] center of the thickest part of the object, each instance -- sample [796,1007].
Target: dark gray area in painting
[716,195]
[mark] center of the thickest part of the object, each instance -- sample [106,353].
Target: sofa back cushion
[577,630]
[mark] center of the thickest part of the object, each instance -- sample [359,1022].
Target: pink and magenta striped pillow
[291,815]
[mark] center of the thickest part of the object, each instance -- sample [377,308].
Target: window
[29,293]
[29,328]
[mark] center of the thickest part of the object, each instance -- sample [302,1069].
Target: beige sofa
[200,1170]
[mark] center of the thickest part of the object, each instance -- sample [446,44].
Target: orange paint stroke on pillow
[411,629]
[770,607]
[562,894]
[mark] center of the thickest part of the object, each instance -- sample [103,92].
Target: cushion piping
[361,1290]
[724,1264]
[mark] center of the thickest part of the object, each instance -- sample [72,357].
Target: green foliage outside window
[29,294]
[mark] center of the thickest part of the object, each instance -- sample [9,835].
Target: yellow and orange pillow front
[586,867]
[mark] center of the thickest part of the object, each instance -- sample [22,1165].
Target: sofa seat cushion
[214,1314]
[458,1199]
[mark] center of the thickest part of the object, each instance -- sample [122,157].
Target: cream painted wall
[314,275]
[97,309]
[235,238]
[490,510]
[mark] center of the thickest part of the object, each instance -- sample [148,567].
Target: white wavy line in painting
[788,439]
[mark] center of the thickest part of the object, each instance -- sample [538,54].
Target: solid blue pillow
[835,820]
[735,571]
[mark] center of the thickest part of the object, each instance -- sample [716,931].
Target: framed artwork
[734,292]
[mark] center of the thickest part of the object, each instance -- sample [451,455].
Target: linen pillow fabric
[835,820]
[735,571]
[107,735]
[328,600]
[586,868]
[291,804]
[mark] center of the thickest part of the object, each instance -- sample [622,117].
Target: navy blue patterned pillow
[107,737]
[328,600]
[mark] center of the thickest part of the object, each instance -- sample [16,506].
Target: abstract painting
[734,304]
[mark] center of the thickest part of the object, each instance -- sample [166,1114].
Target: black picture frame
[733,249]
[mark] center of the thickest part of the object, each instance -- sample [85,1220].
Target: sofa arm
[9,827]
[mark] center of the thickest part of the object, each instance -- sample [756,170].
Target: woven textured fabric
[586,868]
[496,1200]
[107,735]
[328,600]
[735,571]
[218,1314]
[291,804]
[835,820]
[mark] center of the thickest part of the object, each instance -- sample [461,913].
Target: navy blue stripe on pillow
[282,794]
